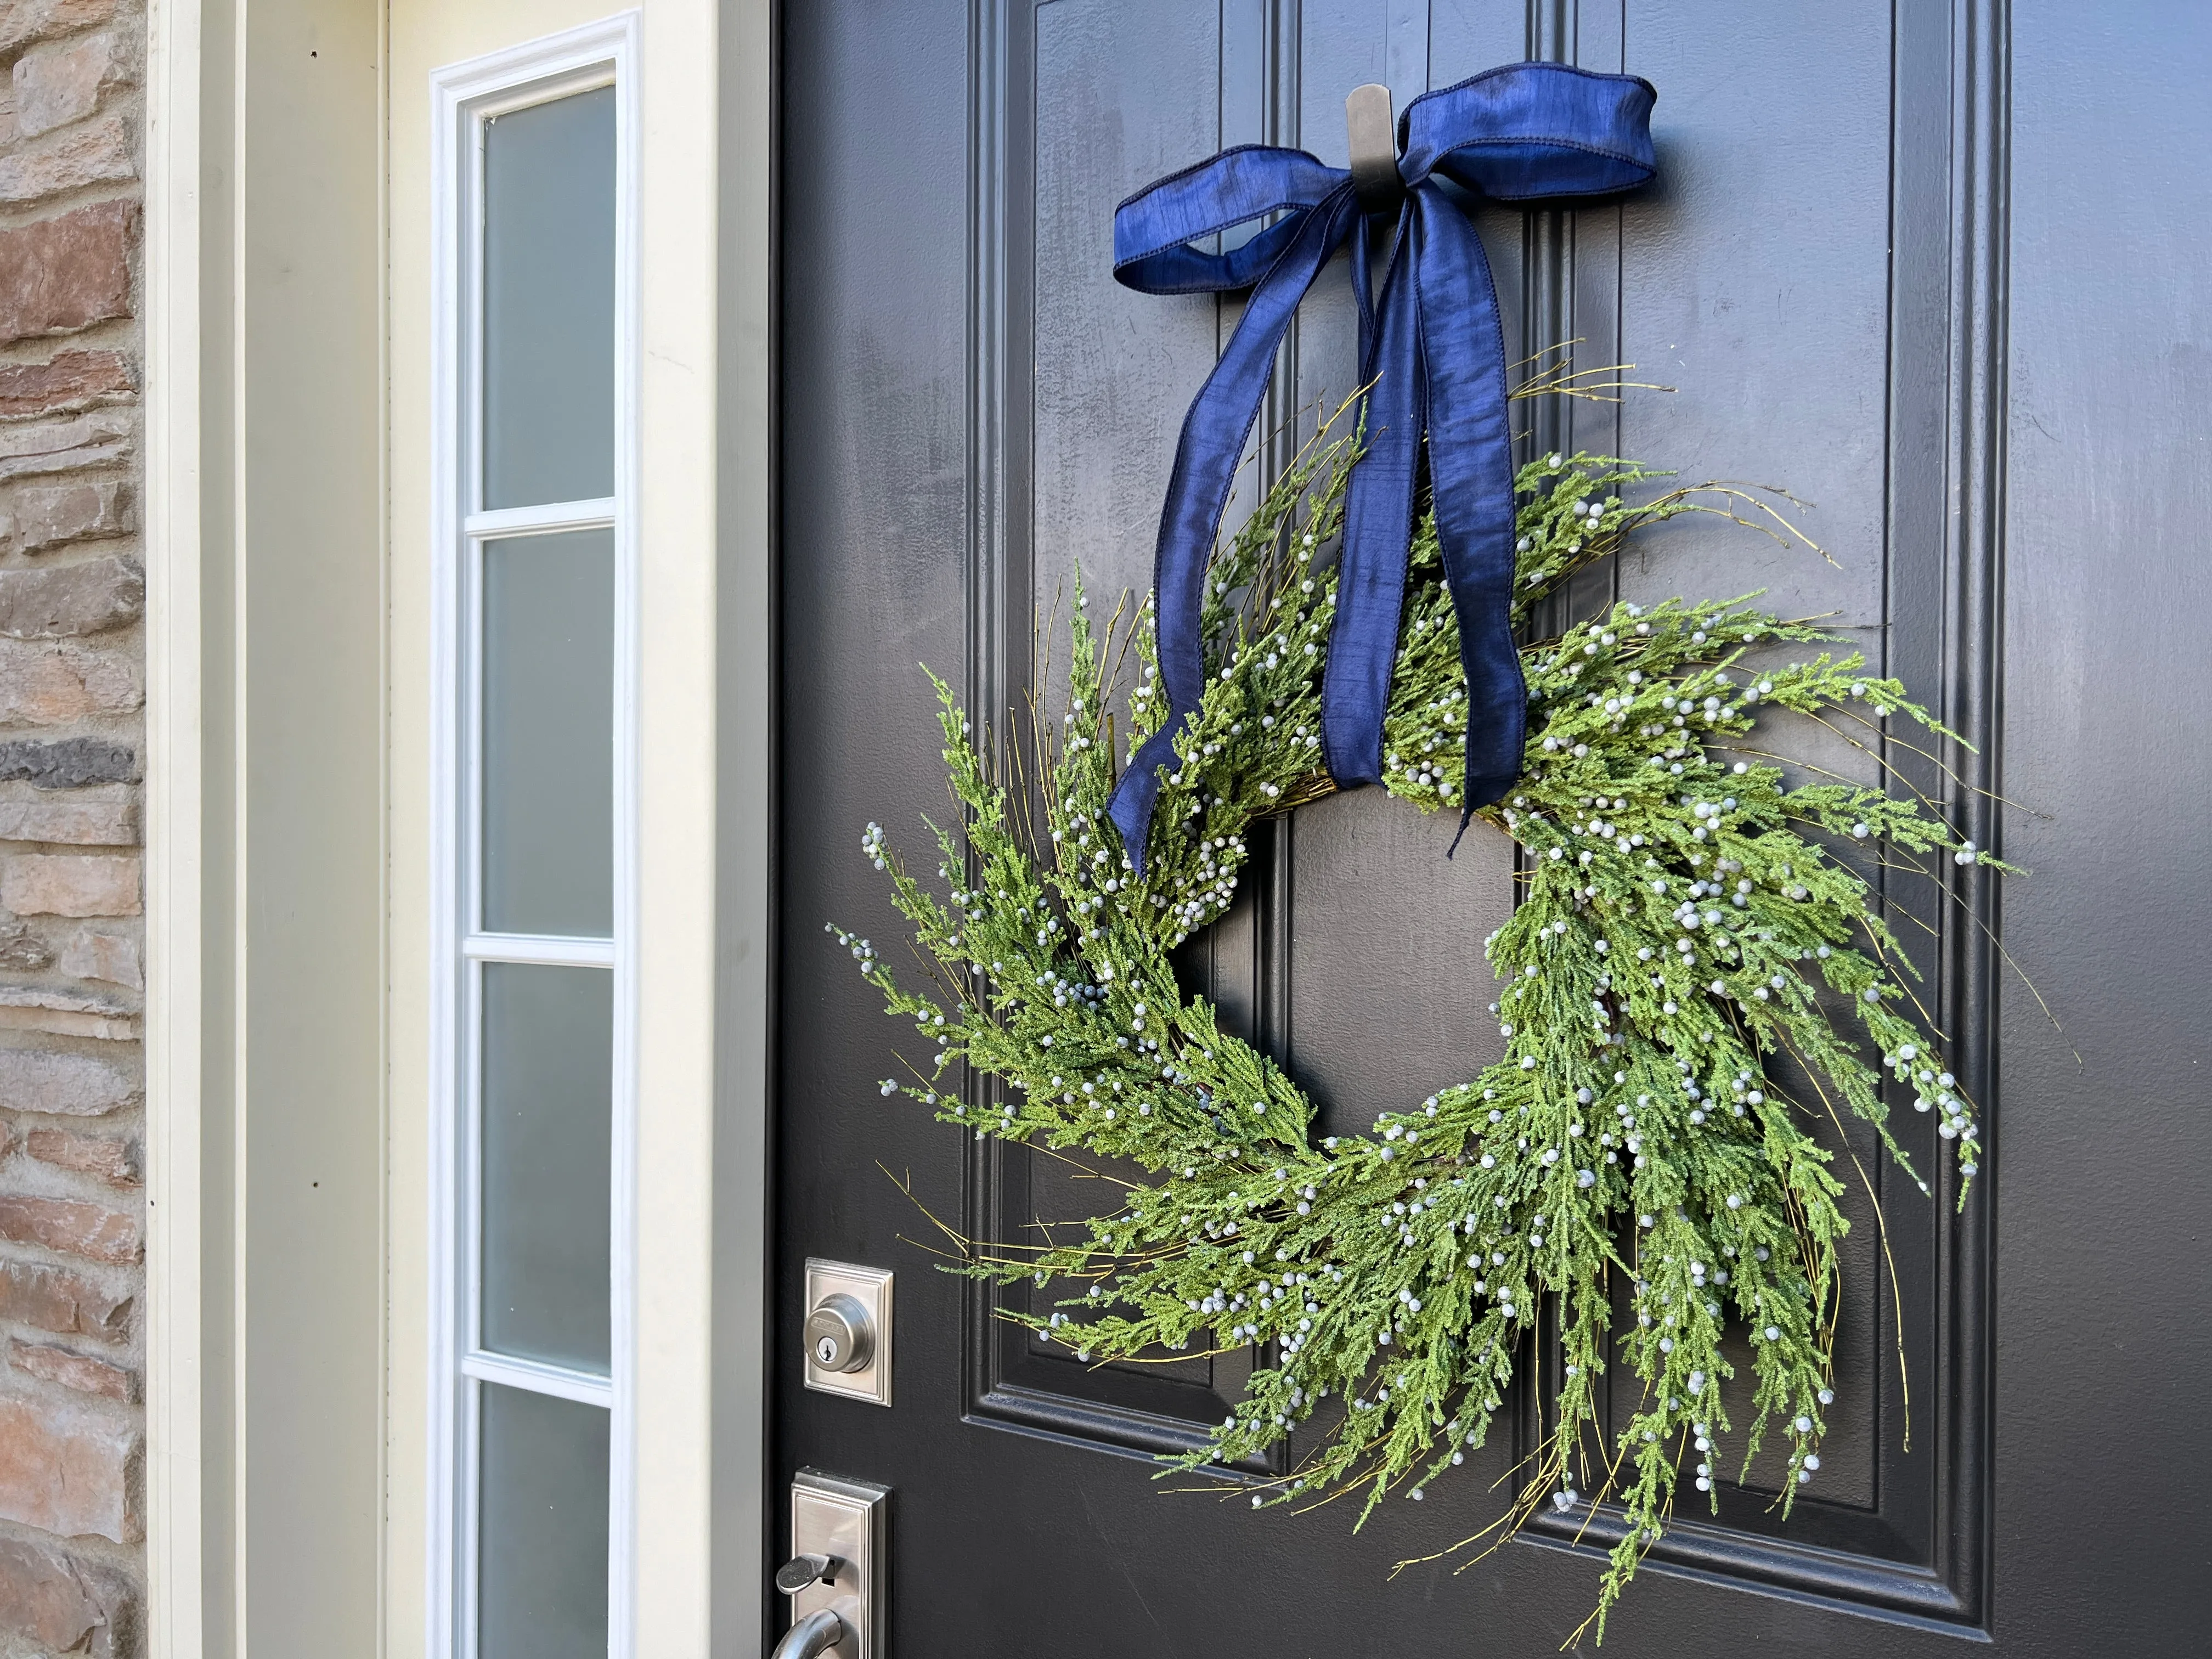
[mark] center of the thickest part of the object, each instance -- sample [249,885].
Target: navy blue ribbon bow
[1434,355]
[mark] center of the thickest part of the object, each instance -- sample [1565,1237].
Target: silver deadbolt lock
[847,1338]
[840,1335]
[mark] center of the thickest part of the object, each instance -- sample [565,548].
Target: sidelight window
[535,941]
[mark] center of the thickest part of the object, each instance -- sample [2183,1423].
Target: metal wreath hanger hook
[1368,122]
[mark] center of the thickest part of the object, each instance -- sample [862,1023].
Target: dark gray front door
[1940,269]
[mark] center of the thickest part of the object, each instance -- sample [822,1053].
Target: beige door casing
[287,294]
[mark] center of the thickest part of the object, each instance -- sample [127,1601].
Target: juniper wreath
[1678,979]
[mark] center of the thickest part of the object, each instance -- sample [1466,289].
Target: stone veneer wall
[72,654]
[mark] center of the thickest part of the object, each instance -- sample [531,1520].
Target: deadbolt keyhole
[840,1334]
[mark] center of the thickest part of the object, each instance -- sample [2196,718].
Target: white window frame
[462,96]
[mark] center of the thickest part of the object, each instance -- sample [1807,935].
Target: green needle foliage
[1682,977]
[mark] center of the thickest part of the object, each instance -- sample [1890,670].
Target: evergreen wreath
[1681,934]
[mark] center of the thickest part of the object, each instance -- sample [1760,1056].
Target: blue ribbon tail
[1378,526]
[1207,455]
[1130,806]
[1471,473]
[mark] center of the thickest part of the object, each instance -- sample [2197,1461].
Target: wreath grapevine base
[1679,939]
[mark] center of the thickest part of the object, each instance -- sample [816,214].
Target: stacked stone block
[72,684]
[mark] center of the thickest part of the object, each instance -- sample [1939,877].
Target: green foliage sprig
[1682,974]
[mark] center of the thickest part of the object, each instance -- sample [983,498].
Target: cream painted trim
[678,497]
[260,1522]
[175,1548]
[705,900]
[698,1431]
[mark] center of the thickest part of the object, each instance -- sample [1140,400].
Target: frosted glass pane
[541,1537]
[549,287]
[548,1128]
[548,810]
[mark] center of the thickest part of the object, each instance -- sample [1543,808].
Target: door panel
[974,410]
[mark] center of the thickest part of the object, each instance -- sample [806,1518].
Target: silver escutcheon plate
[834,1517]
[871,1289]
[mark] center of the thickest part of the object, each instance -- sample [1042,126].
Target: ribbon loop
[1153,230]
[1433,354]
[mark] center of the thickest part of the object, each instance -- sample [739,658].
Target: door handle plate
[844,1521]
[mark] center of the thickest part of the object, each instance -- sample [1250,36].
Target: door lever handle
[811,1637]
